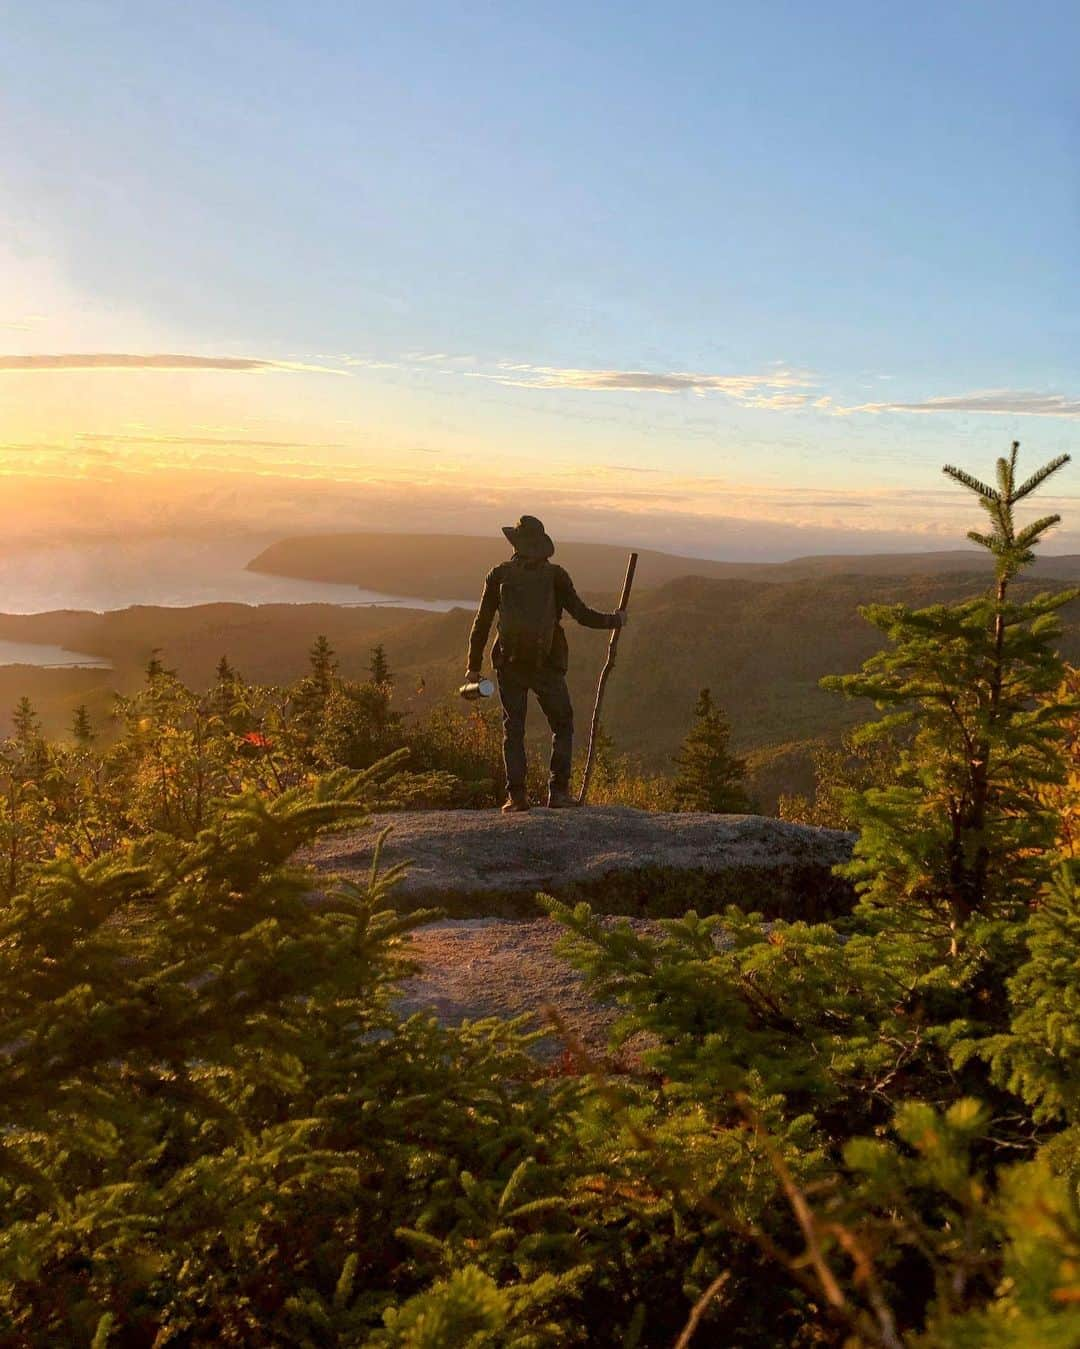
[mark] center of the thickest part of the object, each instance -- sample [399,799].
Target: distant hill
[761,645]
[452,566]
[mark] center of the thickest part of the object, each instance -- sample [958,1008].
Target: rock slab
[473,968]
[475,863]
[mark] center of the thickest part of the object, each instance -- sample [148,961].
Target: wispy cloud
[777,389]
[24,324]
[99,360]
[221,442]
[991,402]
[780,389]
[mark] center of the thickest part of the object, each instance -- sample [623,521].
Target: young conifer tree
[379,666]
[710,777]
[26,722]
[155,666]
[225,673]
[312,695]
[324,664]
[228,692]
[965,830]
[82,730]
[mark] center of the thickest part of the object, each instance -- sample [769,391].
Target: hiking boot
[516,803]
[560,799]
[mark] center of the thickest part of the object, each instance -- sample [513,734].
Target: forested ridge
[761,647]
[861,1131]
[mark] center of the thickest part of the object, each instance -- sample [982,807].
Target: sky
[731,279]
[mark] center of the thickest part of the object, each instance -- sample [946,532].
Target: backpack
[528,613]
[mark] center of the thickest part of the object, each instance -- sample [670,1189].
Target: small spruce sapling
[82,730]
[710,777]
[324,665]
[26,723]
[964,830]
[379,667]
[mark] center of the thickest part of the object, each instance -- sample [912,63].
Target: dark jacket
[566,599]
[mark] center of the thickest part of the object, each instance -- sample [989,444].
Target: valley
[760,644]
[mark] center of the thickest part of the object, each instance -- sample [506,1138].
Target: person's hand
[623,618]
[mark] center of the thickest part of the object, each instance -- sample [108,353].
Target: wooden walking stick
[609,665]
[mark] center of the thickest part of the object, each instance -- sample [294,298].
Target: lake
[113,574]
[48,657]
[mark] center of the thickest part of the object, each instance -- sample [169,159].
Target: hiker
[530,594]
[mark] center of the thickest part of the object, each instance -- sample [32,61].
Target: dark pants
[554,699]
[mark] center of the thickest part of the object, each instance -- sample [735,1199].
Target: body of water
[114,574]
[49,657]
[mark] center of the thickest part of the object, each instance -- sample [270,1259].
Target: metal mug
[482,688]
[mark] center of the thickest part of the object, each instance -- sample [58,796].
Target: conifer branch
[1005,477]
[1041,476]
[969,480]
[1030,533]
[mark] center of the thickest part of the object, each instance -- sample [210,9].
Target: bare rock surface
[475,861]
[481,967]
[474,968]
[493,954]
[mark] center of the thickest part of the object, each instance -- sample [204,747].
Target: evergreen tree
[26,824]
[226,688]
[710,777]
[324,664]
[379,666]
[155,668]
[1038,1058]
[26,723]
[81,728]
[312,695]
[965,829]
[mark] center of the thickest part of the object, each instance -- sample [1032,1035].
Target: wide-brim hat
[529,538]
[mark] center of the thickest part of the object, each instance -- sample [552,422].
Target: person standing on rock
[530,594]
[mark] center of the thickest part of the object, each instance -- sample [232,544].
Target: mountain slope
[761,646]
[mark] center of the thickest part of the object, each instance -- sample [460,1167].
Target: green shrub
[215,1126]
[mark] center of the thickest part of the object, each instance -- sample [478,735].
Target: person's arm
[578,610]
[481,628]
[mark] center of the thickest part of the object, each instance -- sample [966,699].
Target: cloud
[991,402]
[97,360]
[365,362]
[782,389]
[24,324]
[776,401]
[769,391]
[227,442]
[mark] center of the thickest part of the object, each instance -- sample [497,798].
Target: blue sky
[772,249]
